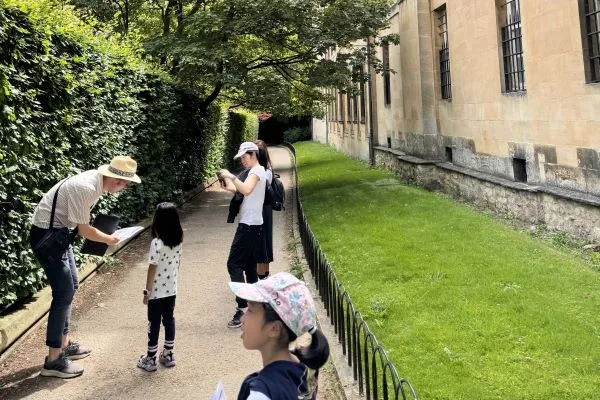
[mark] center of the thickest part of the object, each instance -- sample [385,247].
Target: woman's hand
[145,301]
[225,174]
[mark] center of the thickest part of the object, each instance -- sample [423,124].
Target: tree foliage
[265,54]
[66,106]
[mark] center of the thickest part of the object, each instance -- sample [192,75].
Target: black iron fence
[375,374]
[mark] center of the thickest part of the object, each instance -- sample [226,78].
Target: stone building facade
[497,101]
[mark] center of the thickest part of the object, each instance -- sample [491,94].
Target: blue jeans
[64,281]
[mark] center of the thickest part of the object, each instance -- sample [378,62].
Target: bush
[297,134]
[243,128]
[68,106]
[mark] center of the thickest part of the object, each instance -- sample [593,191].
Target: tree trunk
[220,68]
[166,17]
[126,19]
[180,18]
[215,93]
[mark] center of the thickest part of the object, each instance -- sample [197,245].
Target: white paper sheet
[126,233]
[219,393]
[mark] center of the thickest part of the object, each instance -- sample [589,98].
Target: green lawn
[467,307]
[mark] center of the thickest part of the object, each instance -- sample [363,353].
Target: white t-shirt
[167,260]
[269,175]
[252,206]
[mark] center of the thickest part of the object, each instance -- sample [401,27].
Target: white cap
[244,148]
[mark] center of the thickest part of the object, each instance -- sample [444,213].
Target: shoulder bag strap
[54,203]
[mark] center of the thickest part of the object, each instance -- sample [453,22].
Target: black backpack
[275,194]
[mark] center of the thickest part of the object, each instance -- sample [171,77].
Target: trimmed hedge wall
[243,127]
[66,107]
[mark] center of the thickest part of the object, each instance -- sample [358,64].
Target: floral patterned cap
[288,296]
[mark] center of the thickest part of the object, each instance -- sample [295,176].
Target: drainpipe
[370,89]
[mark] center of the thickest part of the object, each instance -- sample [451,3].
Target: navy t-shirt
[280,380]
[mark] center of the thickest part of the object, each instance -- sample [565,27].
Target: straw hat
[121,167]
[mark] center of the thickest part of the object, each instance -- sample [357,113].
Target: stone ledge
[417,160]
[569,194]
[488,178]
[402,156]
[388,150]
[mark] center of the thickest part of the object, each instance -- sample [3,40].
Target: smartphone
[221,179]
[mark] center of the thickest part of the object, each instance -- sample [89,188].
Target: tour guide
[64,207]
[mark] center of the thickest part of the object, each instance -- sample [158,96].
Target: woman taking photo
[241,263]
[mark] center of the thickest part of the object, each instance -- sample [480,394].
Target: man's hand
[91,233]
[111,240]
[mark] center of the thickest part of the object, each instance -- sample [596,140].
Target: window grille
[349,105]
[512,47]
[363,100]
[592,32]
[445,80]
[335,107]
[387,90]
[341,107]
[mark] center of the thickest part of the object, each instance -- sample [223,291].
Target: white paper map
[219,393]
[126,233]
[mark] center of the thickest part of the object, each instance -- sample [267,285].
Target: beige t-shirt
[76,197]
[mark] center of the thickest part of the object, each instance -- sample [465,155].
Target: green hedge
[297,134]
[243,127]
[67,107]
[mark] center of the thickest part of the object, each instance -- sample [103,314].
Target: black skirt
[265,248]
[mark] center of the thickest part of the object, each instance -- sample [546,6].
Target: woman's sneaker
[147,363]
[167,358]
[75,351]
[62,367]
[236,321]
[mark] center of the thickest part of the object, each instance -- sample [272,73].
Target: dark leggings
[160,309]
[241,263]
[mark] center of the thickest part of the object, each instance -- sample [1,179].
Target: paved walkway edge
[15,326]
[343,371]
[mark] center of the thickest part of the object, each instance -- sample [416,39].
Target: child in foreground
[280,309]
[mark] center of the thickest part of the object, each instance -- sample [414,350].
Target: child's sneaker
[147,363]
[167,358]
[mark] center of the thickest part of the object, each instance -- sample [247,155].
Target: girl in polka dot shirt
[161,284]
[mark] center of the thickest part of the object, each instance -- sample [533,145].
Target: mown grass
[466,306]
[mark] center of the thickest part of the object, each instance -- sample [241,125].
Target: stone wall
[553,126]
[566,210]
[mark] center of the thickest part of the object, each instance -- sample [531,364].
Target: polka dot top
[167,260]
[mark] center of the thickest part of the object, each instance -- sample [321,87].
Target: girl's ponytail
[316,355]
